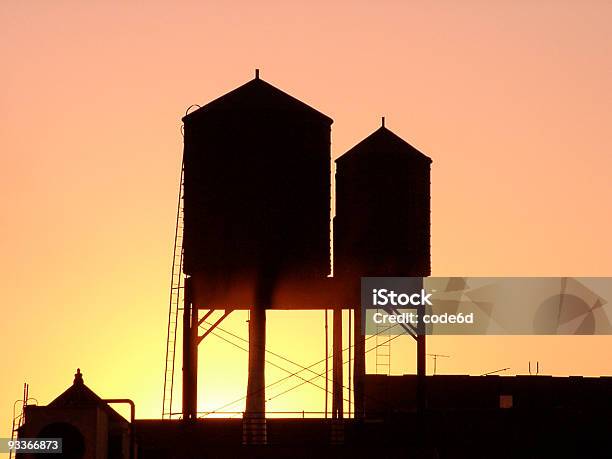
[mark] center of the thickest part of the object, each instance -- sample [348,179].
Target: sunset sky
[511,99]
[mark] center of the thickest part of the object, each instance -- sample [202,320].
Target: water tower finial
[257,74]
[78,377]
[383,121]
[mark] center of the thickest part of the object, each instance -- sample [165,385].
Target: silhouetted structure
[256,227]
[382,223]
[468,417]
[257,206]
[257,187]
[89,427]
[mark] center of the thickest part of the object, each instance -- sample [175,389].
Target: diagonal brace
[206,316]
[213,326]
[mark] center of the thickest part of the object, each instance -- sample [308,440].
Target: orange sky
[511,99]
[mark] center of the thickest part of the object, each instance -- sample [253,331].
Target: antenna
[495,371]
[382,121]
[435,356]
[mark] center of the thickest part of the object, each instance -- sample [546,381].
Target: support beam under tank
[190,355]
[421,374]
[359,368]
[254,426]
[337,386]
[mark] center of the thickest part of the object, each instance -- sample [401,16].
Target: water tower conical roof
[382,142]
[260,96]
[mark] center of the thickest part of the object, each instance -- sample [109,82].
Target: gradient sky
[511,99]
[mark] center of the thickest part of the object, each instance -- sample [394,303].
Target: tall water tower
[256,213]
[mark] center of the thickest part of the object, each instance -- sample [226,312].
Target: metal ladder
[383,350]
[19,418]
[176,299]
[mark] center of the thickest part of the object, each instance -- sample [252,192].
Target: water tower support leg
[421,374]
[422,430]
[359,367]
[337,389]
[254,424]
[190,355]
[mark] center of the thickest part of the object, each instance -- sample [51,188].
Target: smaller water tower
[382,223]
